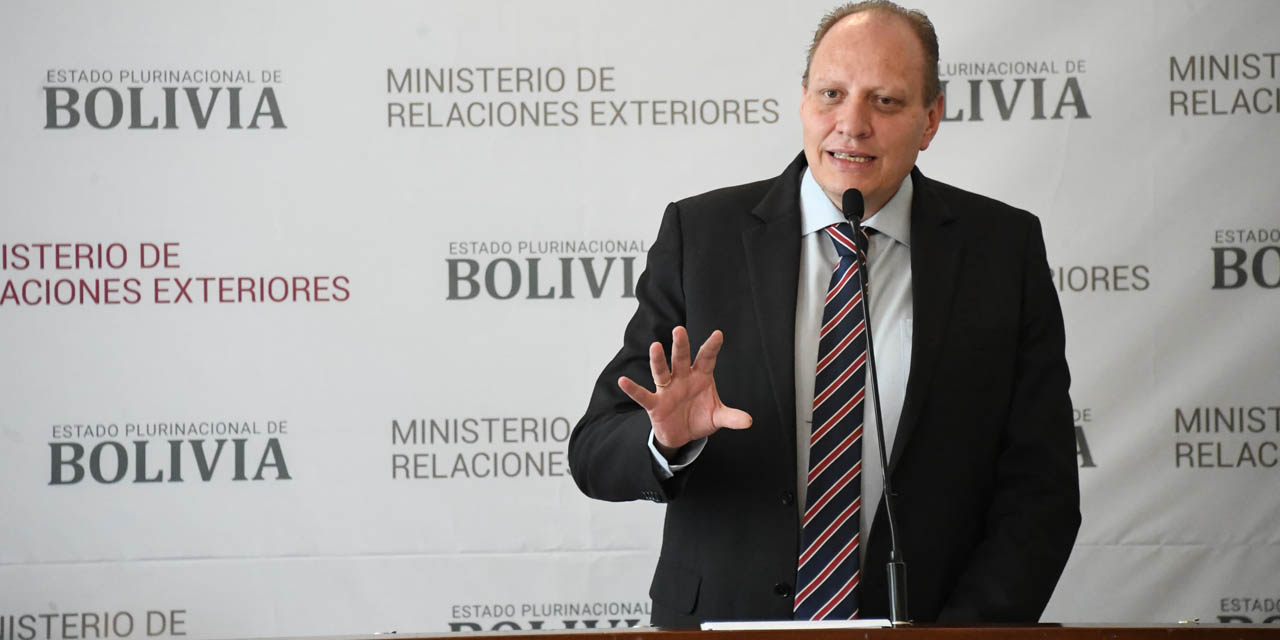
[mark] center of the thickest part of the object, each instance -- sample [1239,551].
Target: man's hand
[685,406]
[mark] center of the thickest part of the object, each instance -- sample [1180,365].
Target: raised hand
[685,406]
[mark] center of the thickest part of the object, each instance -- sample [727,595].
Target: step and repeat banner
[299,301]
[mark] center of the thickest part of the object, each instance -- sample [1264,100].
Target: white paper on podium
[776,625]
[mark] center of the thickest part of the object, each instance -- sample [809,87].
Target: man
[969,344]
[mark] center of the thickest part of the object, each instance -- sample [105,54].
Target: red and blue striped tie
[827,576]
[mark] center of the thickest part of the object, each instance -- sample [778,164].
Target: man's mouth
[852,157]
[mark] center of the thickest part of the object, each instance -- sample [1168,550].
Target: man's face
[863,114]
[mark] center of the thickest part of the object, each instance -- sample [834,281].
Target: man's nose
[853,120]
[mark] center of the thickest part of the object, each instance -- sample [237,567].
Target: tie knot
[842,237]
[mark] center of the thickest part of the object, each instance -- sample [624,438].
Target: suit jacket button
[782,589]
[788,498]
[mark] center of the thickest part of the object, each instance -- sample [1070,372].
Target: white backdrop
[292,346]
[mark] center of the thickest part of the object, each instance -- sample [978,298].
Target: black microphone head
[852,206]
[852,209]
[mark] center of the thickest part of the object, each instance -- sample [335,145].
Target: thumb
[730,418]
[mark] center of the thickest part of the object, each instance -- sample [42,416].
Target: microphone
[853,208]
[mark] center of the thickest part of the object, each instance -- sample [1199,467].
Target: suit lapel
[773,267]
[935,261]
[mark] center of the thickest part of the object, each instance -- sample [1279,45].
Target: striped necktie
[827,575]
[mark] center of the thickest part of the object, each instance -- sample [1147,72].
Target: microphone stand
[896,567]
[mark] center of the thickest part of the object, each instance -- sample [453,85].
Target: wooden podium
[1191,631]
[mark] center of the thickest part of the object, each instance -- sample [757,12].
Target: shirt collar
[817,212]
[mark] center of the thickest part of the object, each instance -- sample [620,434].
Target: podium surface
[1189,631]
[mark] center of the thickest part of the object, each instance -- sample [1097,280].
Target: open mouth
[852,157]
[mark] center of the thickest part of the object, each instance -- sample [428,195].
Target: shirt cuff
[683,458]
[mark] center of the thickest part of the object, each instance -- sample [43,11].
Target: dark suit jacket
[984,459]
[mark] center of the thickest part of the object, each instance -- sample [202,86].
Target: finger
[706,360]
[679,351]
[730,418]
[643,397]
[658,365]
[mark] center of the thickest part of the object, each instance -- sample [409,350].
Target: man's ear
[933,118]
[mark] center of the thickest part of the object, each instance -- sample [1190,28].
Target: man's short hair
[919,23]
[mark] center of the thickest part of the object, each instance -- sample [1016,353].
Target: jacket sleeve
[1034,513]
[609,455]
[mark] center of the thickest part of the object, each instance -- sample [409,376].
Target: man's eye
[886,100]
[830,94]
